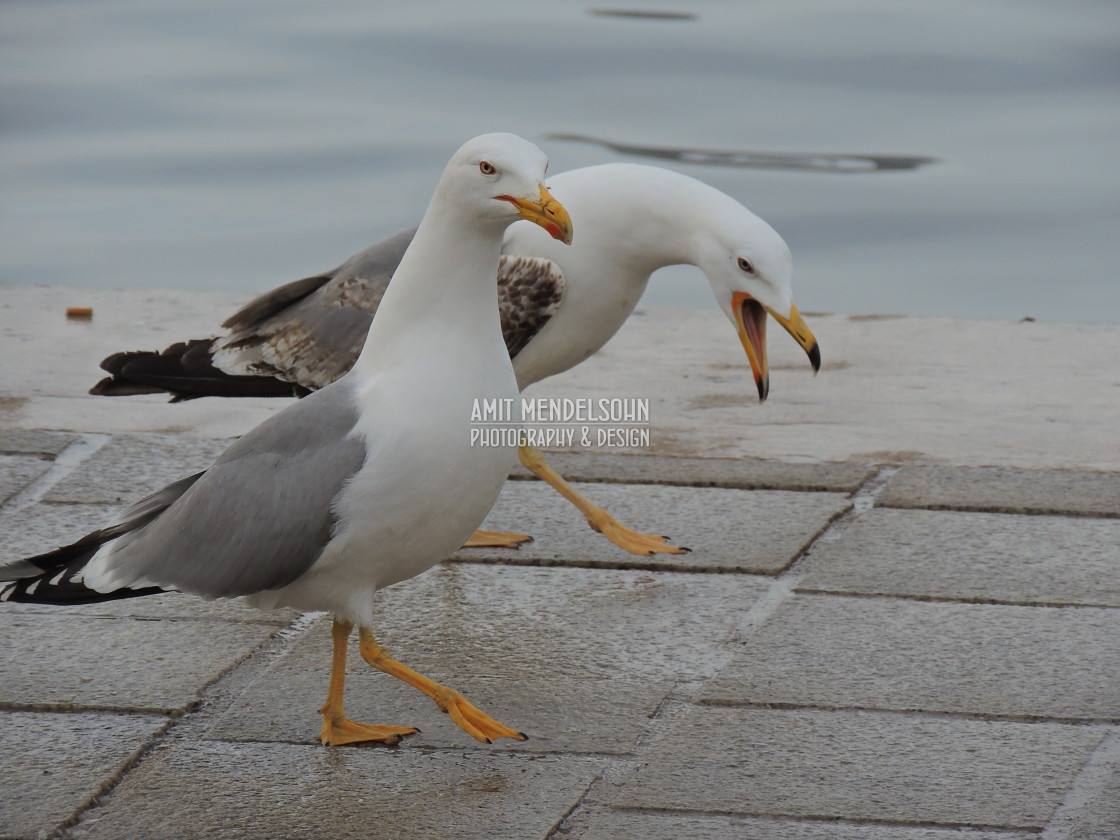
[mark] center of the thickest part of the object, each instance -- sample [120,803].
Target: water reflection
[239,144]
[797,162]
[646,15]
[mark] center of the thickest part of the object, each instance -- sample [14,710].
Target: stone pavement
[917,646]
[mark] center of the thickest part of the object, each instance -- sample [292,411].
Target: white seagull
[558,305]
[366,482]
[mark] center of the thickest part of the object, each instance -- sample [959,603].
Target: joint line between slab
[946,599]
[559,828]
[832,820]
[616,565]
[107,786]
[989,717]
[1088,786]
[785,583]
[175,720]
[1005,510]
[782,587]
[68,460]
[864,498]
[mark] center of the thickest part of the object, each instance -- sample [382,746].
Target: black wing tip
[113,386]
[185,371]
[63,589]
[60,580]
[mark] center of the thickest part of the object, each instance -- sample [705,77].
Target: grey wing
[310,332]
[260,516]
[530,291]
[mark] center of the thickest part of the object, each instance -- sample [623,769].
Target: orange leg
[470,719]
[337,728]
[633,541]
[496,539]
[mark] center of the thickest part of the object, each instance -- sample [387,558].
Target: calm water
[244,143]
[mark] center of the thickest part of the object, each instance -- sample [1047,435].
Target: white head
[499,178]
[750,270]
[490,182]
[637,218]
[740,253]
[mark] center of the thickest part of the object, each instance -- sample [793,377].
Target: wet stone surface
[284,792]
[18,471]
[752,531]
[1094,813]
[579,659]
[131,466]
[70,662]
[54,764]
[743,474]
[920,674]
[861,765]
[971,556]
[1004,490]
[1036,662]
[34,442]
[40,528]
[613,824]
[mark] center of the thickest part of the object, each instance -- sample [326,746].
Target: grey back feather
[310,332]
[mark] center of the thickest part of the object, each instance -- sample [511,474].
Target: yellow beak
[750,321]
[548,213]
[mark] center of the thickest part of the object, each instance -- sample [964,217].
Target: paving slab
[1004,490]
[70,662]
[33,442]
[753,531]
[291,792]
[859,765]
[843,652]
[56,764]
[577,623]
[1100,818]
[612,824]
[131,466]
[740,473]
[577,658]
[17,471]
[572,716]
[1009,558]
[1091,808]
[40,528]
[592,655]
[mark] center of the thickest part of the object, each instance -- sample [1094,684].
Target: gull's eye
[746,266]
[487,168]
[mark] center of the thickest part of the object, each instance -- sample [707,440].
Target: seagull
[559,305]
[366,482]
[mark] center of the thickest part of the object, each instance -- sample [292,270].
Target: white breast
[397,518]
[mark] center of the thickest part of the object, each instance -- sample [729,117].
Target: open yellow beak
[750,321]
[548,213]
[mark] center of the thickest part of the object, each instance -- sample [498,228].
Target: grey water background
[244,143]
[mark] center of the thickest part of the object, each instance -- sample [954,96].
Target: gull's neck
[444,287]
[663,213]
